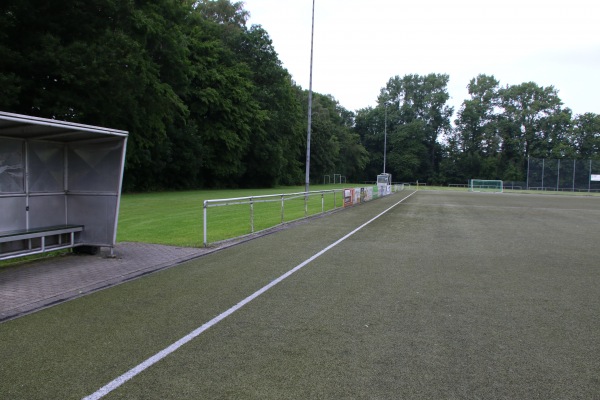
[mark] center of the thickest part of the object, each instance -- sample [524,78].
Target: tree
[335,147]
[275,152]
[408,153]
[353,156]
[523,125]
[325,147]
[369,126]
[586,136]
[557,135]
[121,68]
[476,142]
[220,97]
[223,12]
[207,102]
[526,107]
[417,111]
[10,81]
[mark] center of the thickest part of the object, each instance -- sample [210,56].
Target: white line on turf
[103,391]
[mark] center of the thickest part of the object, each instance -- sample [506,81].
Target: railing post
[306,204]
[251,215]
[282,208]
[204,223]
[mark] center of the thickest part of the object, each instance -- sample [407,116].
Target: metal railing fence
[247,215]
[240,216]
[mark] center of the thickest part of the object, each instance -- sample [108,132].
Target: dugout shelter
[60,185]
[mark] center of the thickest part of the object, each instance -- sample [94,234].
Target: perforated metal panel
[12,212]
[12,166]
[46,162]
[93,167]
[47,210]
[96,213]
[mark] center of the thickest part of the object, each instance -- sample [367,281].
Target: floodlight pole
[307,179]
[384,136]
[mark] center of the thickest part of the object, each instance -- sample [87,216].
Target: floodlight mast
[384,136]
[307,179]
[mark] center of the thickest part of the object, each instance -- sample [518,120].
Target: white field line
[103,391]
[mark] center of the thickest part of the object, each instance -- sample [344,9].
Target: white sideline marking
[103,391]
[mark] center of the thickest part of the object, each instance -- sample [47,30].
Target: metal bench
[18,243]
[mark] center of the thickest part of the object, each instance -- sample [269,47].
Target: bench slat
[9,236]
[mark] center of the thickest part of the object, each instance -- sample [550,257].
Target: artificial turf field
[448,295]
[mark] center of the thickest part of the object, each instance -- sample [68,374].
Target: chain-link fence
[563,175]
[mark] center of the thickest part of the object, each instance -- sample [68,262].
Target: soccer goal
[483,185]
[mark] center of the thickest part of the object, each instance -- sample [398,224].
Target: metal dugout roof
[27,127]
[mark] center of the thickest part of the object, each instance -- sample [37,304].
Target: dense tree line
[494,132]
[498,128]
[208,103]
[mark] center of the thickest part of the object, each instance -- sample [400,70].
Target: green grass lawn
[176,218]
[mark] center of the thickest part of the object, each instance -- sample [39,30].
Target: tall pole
[312,35]
[384,137]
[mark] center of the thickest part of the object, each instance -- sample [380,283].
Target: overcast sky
[360,45]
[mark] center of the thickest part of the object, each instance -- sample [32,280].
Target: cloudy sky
[360,45]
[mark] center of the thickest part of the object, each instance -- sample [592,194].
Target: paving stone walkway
[35,285]
[32,286]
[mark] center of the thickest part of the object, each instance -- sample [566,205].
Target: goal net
[483,185]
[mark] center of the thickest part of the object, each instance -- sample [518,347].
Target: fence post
[306,204]
[574,167]
[527,183]
[543,172]
[204,222]
[251,215]
[590,178]
[282,208]
[558,175]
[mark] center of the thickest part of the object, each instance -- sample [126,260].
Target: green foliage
[335,147]
[585,135]
[527,107]
[274,155]
[176,218]
[369,125]
[414,114]
[208,103]
[205,99]
[498,128]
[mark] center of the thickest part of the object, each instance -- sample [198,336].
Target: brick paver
[39,284]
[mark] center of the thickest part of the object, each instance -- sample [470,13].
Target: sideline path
[32,286]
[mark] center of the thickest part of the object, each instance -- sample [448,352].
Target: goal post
[485,185]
